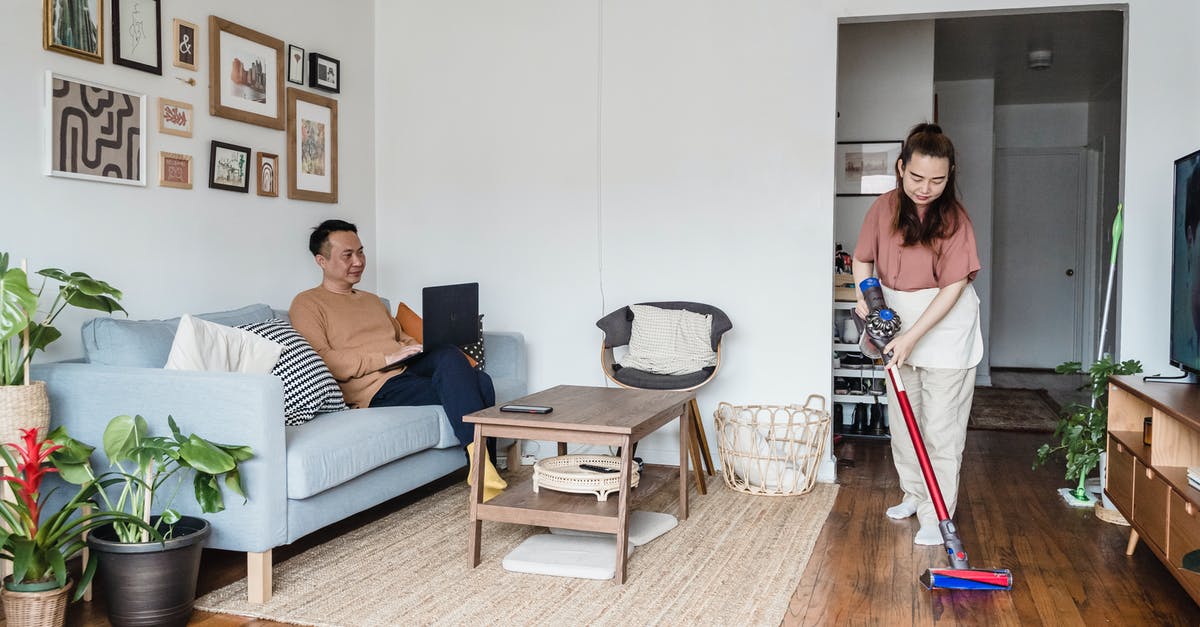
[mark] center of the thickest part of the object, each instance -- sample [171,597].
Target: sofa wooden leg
[1133,540]
[258,577]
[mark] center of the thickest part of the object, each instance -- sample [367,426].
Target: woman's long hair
[941,219]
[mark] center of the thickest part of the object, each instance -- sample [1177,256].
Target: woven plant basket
[36,609]
[772,450]
[23,407]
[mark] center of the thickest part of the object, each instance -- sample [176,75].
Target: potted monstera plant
[145,580]
[24,403]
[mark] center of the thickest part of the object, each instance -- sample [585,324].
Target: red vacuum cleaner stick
[879,327]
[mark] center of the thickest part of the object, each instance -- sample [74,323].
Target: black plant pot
[150,583]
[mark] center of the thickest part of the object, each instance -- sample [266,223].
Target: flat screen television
[1185,267]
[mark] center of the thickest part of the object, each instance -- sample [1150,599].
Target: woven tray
[563,474]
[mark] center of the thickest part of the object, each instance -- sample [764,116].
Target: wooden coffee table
[586,415]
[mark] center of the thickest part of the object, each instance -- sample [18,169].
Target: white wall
[174,251]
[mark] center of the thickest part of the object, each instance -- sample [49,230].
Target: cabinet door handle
[1149,473]
[1120,447]
[1189,508]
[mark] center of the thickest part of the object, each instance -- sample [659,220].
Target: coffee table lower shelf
[520,504]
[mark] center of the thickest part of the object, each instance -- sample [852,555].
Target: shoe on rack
[841,385]
[877,427]
[856,386]
[855,360]
[860,419]
[838,425]
[878,387]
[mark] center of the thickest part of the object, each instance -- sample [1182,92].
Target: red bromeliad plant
[39,544]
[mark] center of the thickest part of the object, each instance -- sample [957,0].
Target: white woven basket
[772,450]
[563,474]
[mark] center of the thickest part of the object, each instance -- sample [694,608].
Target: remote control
[595,468]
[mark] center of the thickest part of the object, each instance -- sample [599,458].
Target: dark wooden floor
[1069,568]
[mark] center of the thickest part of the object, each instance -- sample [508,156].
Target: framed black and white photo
[137,35]
[866,168]
[229,167]
[324,72]
[94,132]
[295,64]
[183,38]
[245,74]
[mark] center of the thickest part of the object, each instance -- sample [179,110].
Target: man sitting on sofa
[358,338]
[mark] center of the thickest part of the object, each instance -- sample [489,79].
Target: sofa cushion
[308,386]
[338,447]
[211,347]
[147,343]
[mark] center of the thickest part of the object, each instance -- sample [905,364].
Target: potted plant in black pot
[39,539]
[143,580]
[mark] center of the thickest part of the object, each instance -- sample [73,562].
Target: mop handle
[914,432]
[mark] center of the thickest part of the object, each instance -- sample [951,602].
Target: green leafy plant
[38,541]
[18,306]
[1082,429]
[143,465]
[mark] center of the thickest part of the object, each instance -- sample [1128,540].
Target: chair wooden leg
[258,577]
[694,450]
[699,436]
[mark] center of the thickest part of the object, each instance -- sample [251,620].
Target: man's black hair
[320,234]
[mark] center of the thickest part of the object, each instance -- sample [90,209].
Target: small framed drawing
[312,151]
[183,40]
[137,35]
[94,132]
[295,64]
[245,74]
[174,170]
[74,27]
[174,117]
[866,168]
[324,72]
[229,167]
[268,174]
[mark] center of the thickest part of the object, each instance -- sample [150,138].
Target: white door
[1038,254]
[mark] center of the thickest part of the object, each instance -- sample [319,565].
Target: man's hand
[407,351]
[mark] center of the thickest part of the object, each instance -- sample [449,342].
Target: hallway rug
[735,561]
[1013,409]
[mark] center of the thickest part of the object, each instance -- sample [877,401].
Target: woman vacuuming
[918,241]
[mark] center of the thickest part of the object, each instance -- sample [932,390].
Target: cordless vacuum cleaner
[881,325]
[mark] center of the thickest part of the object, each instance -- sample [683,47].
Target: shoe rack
[859,383]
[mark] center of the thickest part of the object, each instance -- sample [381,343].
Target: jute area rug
[1013,409]
[735,561]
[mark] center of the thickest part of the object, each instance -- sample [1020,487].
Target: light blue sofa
[302,478]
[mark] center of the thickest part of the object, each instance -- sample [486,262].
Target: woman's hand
[861,308]
[900,348]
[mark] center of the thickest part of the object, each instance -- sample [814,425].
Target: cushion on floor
[565,556]
[643,527]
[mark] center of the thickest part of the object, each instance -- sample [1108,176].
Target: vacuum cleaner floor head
[967,579]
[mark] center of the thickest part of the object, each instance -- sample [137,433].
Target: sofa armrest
[229,408]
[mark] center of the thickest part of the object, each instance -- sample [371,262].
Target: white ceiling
[1087,46]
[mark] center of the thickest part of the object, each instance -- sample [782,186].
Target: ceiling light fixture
[1040,59]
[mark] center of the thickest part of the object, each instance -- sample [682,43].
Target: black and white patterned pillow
[308,386]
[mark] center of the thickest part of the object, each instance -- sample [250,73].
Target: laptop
[449,315]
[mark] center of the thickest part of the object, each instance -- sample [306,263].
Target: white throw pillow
[669,341]
[208,346]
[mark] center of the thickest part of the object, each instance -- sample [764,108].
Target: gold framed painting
[268,174]
[312,151]
[245,74]
[174,117]
[174,170]
[74,27]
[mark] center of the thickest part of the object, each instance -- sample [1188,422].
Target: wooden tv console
[1148,484]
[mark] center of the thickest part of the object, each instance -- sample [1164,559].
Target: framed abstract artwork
[245,74]
[324,72]
[229,167]
[137,35]
[268,174]
[174,170]
[74,27]
[312,151]
[94,132]
[174,117]
[183,42]
[295,64]
[866,168]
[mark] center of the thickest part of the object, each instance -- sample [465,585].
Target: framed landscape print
[312,146]
[295,64]
[866,169]
[268,174]
[324,72]
[174,117]
[94,132]
[74,27]
[183,41]
[137,35]
[245,74]
[174,170]
[229,167]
